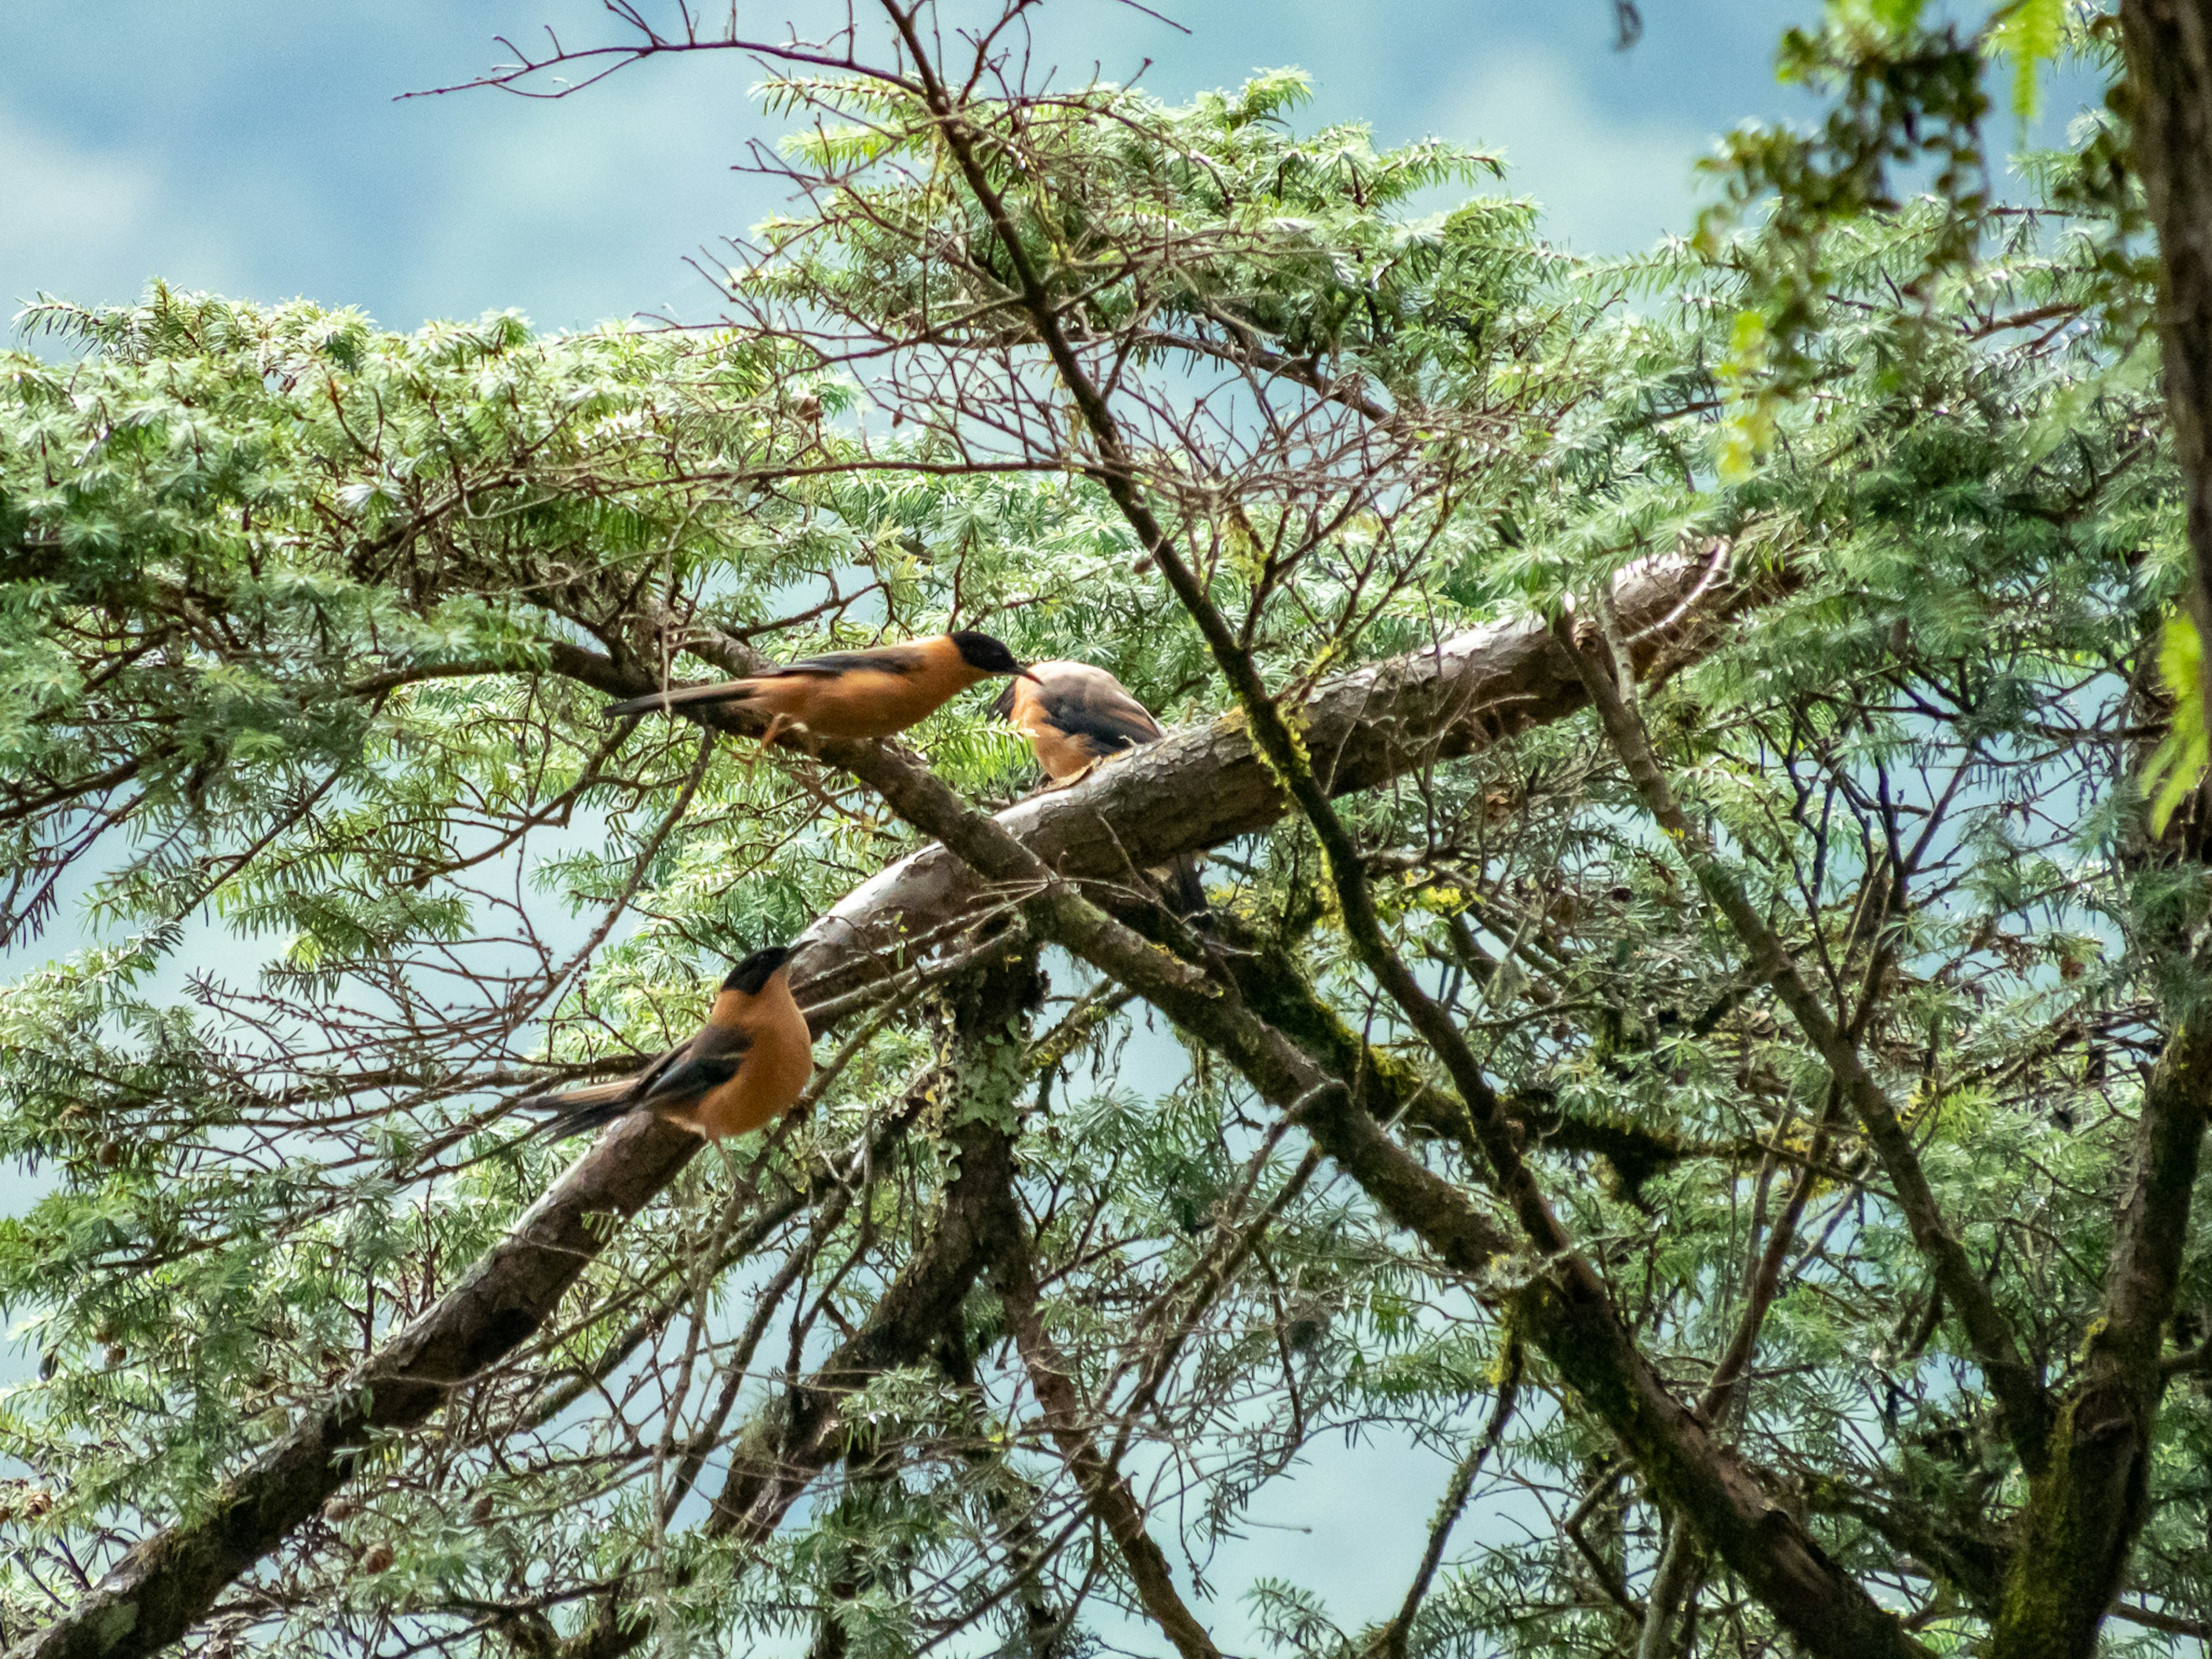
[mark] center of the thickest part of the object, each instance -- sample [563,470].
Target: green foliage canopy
[304,632]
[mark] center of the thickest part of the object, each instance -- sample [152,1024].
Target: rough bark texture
[2169,54]
[2086,1507]
[1194,790]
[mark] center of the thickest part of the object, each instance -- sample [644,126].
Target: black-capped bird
[849,694]
[1075,716]
[745,1069]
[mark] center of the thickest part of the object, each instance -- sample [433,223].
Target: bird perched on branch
[1075,716]
[745,1069]
[849,694]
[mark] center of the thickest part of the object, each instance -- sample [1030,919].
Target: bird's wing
[593,1094]
[885,659]
[1097,708]
[1002,706]
[711,1059]
[574,1111]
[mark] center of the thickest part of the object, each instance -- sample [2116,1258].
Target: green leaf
[2029,33]
[2179,760]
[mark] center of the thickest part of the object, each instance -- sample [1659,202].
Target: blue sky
[255,148]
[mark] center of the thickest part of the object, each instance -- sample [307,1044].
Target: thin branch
[2018,1386]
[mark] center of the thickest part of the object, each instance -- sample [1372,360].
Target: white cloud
[88,225]
[586,208]
[1607,183]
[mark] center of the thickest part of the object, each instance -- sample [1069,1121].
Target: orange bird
[1075,716]
[745,1069]
[849,694]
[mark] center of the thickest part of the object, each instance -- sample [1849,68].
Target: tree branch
[2018,1388]
[1568,1310]
[1390,1642]
[1190,792]
[2169,48]
[1574,1324]
[1104,1488]
[2086,1507]
[805,1429]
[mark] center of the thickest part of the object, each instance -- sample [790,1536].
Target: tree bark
[2086,1507]
[1567,1309]
[798,1437]
[2168,45]
[2087,1455]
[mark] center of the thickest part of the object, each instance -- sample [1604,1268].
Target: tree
[1690,985]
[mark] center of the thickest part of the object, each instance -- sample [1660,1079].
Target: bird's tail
[680,697]
[579,1111]
[1186,893]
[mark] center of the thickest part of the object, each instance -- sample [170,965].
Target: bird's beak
[1023,673]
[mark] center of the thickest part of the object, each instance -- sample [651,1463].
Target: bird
[743,1069]
[1076,715]
[849,694]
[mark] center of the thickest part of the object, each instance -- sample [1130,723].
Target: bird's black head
[981,651]
[753,972]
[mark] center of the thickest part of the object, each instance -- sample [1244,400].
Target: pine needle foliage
[317,853]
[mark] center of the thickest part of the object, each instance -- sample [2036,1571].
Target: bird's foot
[1070,780]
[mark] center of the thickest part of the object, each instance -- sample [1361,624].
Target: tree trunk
[2086,1507]
[2086,1504]
[2169,53]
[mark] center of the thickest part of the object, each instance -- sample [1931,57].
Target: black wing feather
[697,1075]
[708,1061]
[887,659]
[581,1120]
[1111,722]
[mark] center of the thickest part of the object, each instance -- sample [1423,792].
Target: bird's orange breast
[1061,754]
[772,1076]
